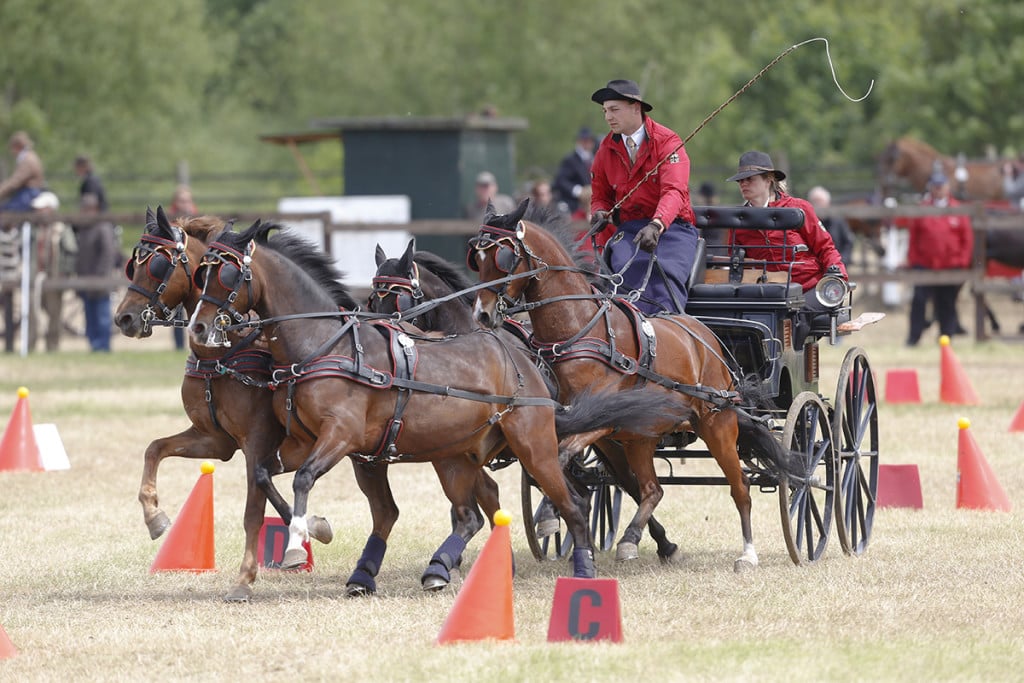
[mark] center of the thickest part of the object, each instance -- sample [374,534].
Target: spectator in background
[540,194]
[27,180]
[91,183]
[485,191]
[837,227]
[709,197]
[54,246]
[937,243]
[97,257]
[574,171]
[182,203]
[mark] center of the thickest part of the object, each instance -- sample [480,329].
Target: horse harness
[160,256]
[511,251]
[402,353]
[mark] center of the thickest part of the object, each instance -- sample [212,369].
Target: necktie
[631,148]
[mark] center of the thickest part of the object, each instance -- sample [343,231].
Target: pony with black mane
[598,341]
[351,386]
[224,394]
[417,277]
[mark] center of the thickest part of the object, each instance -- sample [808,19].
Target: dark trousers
[98,320]
[943,300]
[666,289]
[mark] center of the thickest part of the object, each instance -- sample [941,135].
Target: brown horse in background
[913,162]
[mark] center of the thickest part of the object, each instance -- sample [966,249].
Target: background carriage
[755,313]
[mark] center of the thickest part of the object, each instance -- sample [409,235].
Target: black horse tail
[636,410]
[756,441]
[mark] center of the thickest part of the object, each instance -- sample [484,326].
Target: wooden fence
[982,220]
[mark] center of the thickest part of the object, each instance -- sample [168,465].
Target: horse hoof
[320,529]
[675,557]
[240,593]
[357,590]
[743,565]
[434,583]
[625,551]
[294,558]
[158,525]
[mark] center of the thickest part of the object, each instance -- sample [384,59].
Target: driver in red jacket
[647,159]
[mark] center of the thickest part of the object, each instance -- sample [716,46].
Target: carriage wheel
[855,434]
[806,501]
[602,507]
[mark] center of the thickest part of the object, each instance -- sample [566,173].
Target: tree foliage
[141,86]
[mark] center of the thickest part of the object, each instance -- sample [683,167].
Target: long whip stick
[597,228]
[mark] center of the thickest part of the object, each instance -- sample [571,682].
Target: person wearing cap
[937,243]
[640,183]
[763,185]
[55,247]
[27,180]
[574,172]
[485,191]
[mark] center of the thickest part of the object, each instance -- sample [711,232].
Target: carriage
[756,314]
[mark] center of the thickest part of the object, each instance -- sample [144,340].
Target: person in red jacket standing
[640,185]
[937,243]
[762,185]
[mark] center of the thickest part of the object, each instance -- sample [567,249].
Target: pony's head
[160,271]
[396,286]
[514,250]
[226,278]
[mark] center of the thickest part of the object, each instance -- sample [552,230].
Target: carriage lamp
[831,290]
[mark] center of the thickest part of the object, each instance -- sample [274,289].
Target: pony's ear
[150,219]
[161,219]
[489,213]
[405,263]
[379,255]
[520,211]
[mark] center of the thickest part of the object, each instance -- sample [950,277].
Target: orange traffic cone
[1017,423]
[976,485]
[954,385]
[7,648]
[901,386]
[18,448]
[483,607]
[189,544]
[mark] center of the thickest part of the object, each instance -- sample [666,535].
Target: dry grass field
[939,595]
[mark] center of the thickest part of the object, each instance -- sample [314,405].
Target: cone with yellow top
[954,385]
[189,546]
[19,451]
[483,607]
[976,485]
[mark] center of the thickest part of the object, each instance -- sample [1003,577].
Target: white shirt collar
[639,135]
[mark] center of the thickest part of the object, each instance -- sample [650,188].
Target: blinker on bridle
[160,256]
[406,290]
[233,269]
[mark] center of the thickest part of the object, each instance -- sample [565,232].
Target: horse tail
[756,441]
[636,410]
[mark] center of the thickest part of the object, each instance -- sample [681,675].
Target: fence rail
[982,220]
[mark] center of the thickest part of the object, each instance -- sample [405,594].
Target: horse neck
[558,320]
[292,292]
[451,317]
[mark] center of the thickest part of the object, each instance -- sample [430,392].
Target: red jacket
[940,242]
[808,266]
[665,195]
